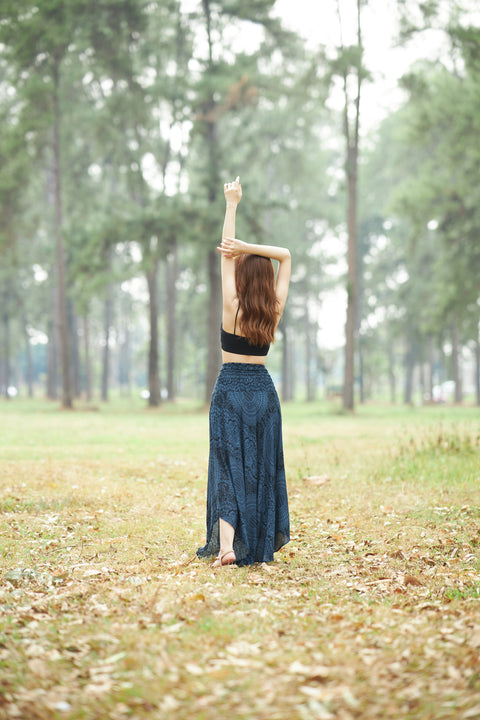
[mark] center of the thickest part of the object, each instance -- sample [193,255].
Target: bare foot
[226,558]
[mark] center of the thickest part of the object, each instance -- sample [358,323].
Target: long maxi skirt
[246,473]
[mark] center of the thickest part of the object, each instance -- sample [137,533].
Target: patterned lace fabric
[246,473]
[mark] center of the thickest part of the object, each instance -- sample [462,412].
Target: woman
[247,505]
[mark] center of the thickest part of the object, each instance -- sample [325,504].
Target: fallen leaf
[411,580]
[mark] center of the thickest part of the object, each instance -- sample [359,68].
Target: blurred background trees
[120,120]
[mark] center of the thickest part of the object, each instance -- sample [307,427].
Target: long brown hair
[255,284]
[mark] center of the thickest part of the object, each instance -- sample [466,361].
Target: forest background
[120,120]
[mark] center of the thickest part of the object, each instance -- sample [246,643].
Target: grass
[371,611]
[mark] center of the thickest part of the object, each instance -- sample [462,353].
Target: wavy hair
[255,285]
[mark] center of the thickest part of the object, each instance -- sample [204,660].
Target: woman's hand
[233,192]
[231,247]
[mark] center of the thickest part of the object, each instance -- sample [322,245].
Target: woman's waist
[228,357]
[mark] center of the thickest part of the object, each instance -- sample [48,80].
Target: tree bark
[310,379]
[352,138]
[87,359]
[28,355]
[6,354]
[107,324]
[74,349]
[361,373]
[214,281]
[391,374]
[287,365]
[409,367]
[171,268]
[155,398]
[431,367]
[52,348]
[421,380]
[456,362]
[124,364]
[477,371]
[62,312]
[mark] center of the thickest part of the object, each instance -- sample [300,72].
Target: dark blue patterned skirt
[246,473]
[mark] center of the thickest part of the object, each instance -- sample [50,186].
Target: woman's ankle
[224,551]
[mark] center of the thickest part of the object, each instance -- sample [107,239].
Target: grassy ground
[371,611]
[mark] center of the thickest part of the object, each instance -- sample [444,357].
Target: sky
[318,22]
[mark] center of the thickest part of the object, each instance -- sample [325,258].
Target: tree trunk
[52,348]
[409,367]
[456,362]
[361,374]
[62,314]
[352,137]
[477,371]
[214,281]
[287,369]
[127,360]
[421,381]
[392,380]
[5,384]
[87,359]
[154,399]
[28,355]
[107,324]
[74,349]
[171,268]
[124,369]
[310,379]
[350,324]
[431,367]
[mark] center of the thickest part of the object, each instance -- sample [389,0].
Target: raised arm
[233,195]
[231,248]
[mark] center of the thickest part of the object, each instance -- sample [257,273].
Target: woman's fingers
[227,247]
[230,185]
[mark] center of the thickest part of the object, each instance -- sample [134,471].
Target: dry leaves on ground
[371,611]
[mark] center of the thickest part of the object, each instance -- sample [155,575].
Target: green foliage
[426,154]
[444,121]
[153,120]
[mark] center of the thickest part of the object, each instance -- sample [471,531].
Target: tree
[349,66]
[444,117]
[138,126]
[38,40]
[228,86]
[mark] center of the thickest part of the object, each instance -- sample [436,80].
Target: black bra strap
[236,315]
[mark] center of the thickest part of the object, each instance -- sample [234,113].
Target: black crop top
[238,344]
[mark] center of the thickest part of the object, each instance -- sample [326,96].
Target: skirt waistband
[249,367]
[243,376]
